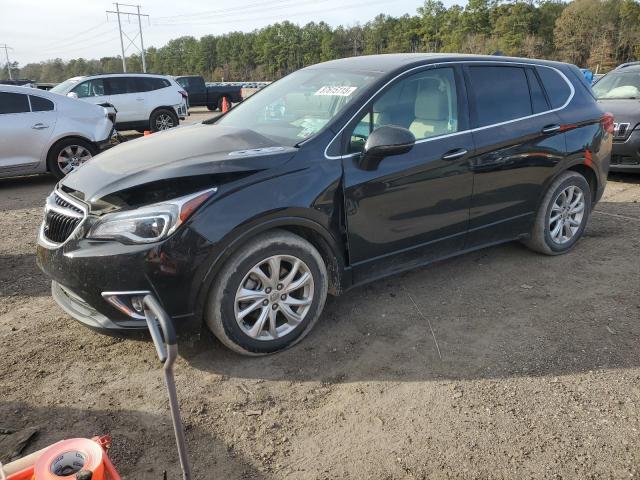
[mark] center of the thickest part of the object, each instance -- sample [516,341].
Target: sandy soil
[521,366]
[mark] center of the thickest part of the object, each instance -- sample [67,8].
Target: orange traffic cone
[147,132]
[225,105]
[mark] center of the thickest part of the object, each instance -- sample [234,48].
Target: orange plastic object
[225,105]
[147,132]
[60,457]
[68,457]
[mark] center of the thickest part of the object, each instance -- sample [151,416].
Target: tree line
[597,34]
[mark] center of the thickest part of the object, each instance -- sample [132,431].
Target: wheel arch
[589,174]
[323,240]
[61,139]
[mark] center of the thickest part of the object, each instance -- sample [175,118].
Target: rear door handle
[454,154]
[40,126]
[551,129]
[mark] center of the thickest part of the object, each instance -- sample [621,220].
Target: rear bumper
[625,155]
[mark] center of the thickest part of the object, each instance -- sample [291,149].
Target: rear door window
[121,85]
[39,104]
[499,94]
[538,98]
[556,87]
[13,103]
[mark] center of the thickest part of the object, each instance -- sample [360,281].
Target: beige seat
[431,110]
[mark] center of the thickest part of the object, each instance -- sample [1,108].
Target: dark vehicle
[618,92]
[336,175]
[210,96]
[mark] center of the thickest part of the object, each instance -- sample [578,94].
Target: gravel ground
[520,366]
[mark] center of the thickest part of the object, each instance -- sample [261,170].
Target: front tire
[163,119]
[268,295]
[562,216]
[68,154]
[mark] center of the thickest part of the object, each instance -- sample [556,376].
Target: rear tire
[163,119]
[68,154]
[247,292]
[562,216]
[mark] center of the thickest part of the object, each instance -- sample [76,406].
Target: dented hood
[199,150]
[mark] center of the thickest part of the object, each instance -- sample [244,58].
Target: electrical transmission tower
[6,53]
[137,13]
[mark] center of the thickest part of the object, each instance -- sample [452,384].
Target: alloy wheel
[71,157]
[566,215]
[274,297]
[164,121]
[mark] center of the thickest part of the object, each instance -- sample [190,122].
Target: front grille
[624,160]
[61,218]
[58,227]
[620,130]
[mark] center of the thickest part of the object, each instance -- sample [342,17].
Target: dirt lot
[527,367]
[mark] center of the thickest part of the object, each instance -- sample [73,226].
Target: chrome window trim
[471,130]
[42,239]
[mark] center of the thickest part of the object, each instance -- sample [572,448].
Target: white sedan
[44,132]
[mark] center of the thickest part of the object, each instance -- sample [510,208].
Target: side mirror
[383,142]
[72,95]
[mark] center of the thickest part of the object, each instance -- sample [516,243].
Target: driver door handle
[454,154]
[40,126]
[551,129]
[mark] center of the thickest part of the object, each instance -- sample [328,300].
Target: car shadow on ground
[143,443]
[499,312]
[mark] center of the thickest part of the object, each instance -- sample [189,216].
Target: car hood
[624,111]
[186,158]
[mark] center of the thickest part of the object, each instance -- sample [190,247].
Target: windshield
[64,87]
[618,85]
[298,106]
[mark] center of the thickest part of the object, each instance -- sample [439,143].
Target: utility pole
[124,62]
[132,41]
[6,52]
[144,63]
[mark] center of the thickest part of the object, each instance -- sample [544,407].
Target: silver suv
[143,101]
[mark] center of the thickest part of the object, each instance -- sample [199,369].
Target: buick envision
[336,175]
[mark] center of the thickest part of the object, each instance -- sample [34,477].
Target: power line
[279,17]
[208,13]
[243,12]
[99,33]
[65,41]
[118,13]
[6,52]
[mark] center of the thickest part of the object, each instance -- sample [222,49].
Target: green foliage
[597,34]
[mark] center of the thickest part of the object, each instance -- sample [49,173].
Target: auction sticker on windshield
[336,91]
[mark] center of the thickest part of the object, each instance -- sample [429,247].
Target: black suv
[619,93]
[336,175]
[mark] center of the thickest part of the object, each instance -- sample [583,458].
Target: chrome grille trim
[63,217]
[620,130]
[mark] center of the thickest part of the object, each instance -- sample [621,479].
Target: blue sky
[39,30]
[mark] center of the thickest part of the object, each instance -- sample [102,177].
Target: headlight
[150,223]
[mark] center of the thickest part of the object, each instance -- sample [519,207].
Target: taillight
[184,94]
[607,122]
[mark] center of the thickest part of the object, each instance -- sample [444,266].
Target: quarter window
[499,93]
[557,89]
[425,103]
[39,104]
[13,103]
